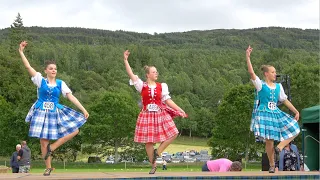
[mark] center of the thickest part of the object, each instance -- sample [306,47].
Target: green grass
[173,148]
[185,143]
[193,141]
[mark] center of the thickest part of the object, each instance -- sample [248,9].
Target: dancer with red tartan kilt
[155,122]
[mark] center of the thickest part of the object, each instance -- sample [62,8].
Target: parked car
[181,158]
[204,152]
[176,160]
[167,158]
[159,160]
[110,161]
[189,160]
[164,154]
[192,153]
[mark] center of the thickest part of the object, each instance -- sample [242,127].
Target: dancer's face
[153,74]
[51,70]
[271,74]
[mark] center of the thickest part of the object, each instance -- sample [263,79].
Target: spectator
[14,161]
[222,165]
[289,159]
[164,165]
[24,158]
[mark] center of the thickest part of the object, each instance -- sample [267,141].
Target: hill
[198,66]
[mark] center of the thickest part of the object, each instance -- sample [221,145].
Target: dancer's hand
[248,51]
[297,116]
[184,114]
[86,114]
[22,45]
[126,55]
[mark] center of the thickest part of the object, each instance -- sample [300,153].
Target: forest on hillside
[205,71]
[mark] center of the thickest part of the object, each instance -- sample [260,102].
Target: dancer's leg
[149,149]
[165,144]
[283,143]
[63,140]
[270,152]
[44,143]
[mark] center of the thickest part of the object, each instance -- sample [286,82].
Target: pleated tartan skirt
[53,125]
[277,126]
[155,127]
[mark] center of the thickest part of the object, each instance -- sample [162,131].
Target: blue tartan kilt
[277,126]
[53,125]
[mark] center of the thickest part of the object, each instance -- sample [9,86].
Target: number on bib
[48,105]
[152,107]
[272,105]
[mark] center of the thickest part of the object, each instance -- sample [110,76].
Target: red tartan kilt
[154,127]
[173,113]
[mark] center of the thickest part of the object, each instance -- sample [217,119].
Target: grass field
[184,143]
[194,141]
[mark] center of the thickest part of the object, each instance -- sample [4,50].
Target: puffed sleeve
[37,79]
[138,84]
[282,96]
[165,92]
[257,83]
[65,89]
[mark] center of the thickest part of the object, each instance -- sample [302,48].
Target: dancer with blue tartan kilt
[48,119]
[269,123]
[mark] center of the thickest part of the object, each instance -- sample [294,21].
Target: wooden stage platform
[167,175]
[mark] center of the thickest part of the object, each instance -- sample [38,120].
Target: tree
[304,85]
[231,134]
[6,141]
[186,123]
[180,83]
[13,127]
[17,33]
[205,122]
[112,121]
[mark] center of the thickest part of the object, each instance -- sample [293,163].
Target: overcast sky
[162,15]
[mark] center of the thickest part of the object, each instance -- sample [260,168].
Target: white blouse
[37,79]
[138,84]
[258,85]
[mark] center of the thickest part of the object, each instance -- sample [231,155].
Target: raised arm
[250,69]
[76,102]
[128,68]
[25,61]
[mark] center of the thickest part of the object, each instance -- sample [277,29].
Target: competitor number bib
[48,105]
[153,107]
[272,105]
